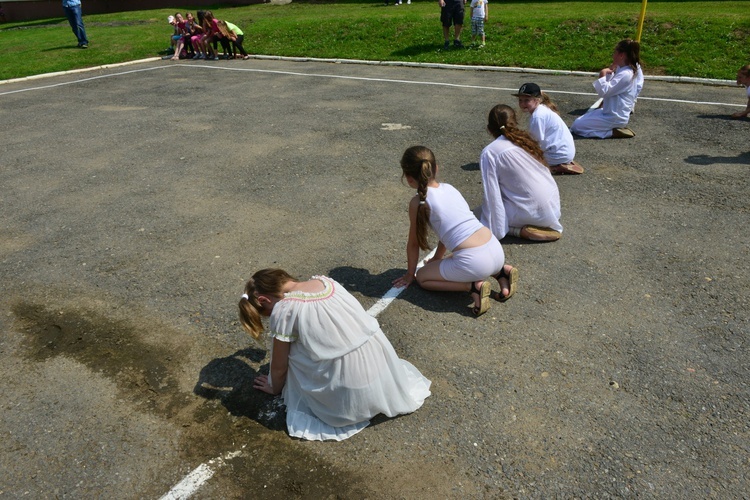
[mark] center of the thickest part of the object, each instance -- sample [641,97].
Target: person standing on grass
[72,10]
[452,13]
[479,14]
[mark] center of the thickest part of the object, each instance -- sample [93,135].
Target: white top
[553,136]
[450,215]
[478,6]
[342,369]
[518,189]
[619,90]
[638,80]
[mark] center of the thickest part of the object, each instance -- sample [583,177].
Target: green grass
[680,38]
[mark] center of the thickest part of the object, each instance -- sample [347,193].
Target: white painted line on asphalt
[193,481]
[62,84]
[394,292]
[383,80]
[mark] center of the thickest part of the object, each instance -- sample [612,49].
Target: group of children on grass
[329,358]
[198,38]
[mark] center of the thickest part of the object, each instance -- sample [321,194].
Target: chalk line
[394,292]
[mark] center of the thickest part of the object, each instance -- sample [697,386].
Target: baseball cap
[529,89]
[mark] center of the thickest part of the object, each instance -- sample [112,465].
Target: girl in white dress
[618,85]
[475,256]
[520,196]
[549,130]
[330,360]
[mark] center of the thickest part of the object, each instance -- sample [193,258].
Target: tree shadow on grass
[415,50]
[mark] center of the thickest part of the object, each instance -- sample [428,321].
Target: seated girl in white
[618,86]
[330,360]
[549,130]
[520,196]
[476,255]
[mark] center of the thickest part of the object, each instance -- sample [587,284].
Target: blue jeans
[76,23]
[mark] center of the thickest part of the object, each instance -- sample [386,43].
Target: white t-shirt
[553,136]
[450,215]
[478,9]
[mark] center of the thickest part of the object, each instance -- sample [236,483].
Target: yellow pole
[640,21]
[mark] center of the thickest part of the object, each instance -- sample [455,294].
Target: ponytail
[548,102]
[267,282]
[418,162]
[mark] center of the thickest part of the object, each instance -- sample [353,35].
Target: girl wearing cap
[330,360]
[549,130]
[520,196]
[618,86]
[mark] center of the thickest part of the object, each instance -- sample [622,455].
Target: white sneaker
[408,2]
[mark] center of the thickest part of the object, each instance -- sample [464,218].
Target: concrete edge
[462,67]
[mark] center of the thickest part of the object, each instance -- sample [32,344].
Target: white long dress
[342,368]
[619,91]
[518,190]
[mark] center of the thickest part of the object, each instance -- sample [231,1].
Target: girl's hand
[261,383]
[605,72]
[403,281]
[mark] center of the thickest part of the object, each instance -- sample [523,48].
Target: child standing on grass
[479,14]
[743,78]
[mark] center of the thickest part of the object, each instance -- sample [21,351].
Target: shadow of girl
[230,380]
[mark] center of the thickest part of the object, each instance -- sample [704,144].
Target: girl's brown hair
[502,121]
[418,162]
[632,51]
[266,282]
[548,102]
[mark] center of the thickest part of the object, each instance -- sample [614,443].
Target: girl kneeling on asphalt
[520,196]
[476,254]
[618,85]
[549,130]
[330,360]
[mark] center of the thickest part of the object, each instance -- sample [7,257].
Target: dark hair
[502,121]
[418,162]
[267,282]
[632,51]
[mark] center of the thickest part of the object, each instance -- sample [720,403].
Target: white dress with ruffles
[342,368]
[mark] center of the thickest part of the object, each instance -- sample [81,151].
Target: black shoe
[457,44]
[447,45]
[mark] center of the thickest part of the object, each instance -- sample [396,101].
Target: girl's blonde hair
[418,162]
[266,282]
[502,121]
[224,29]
